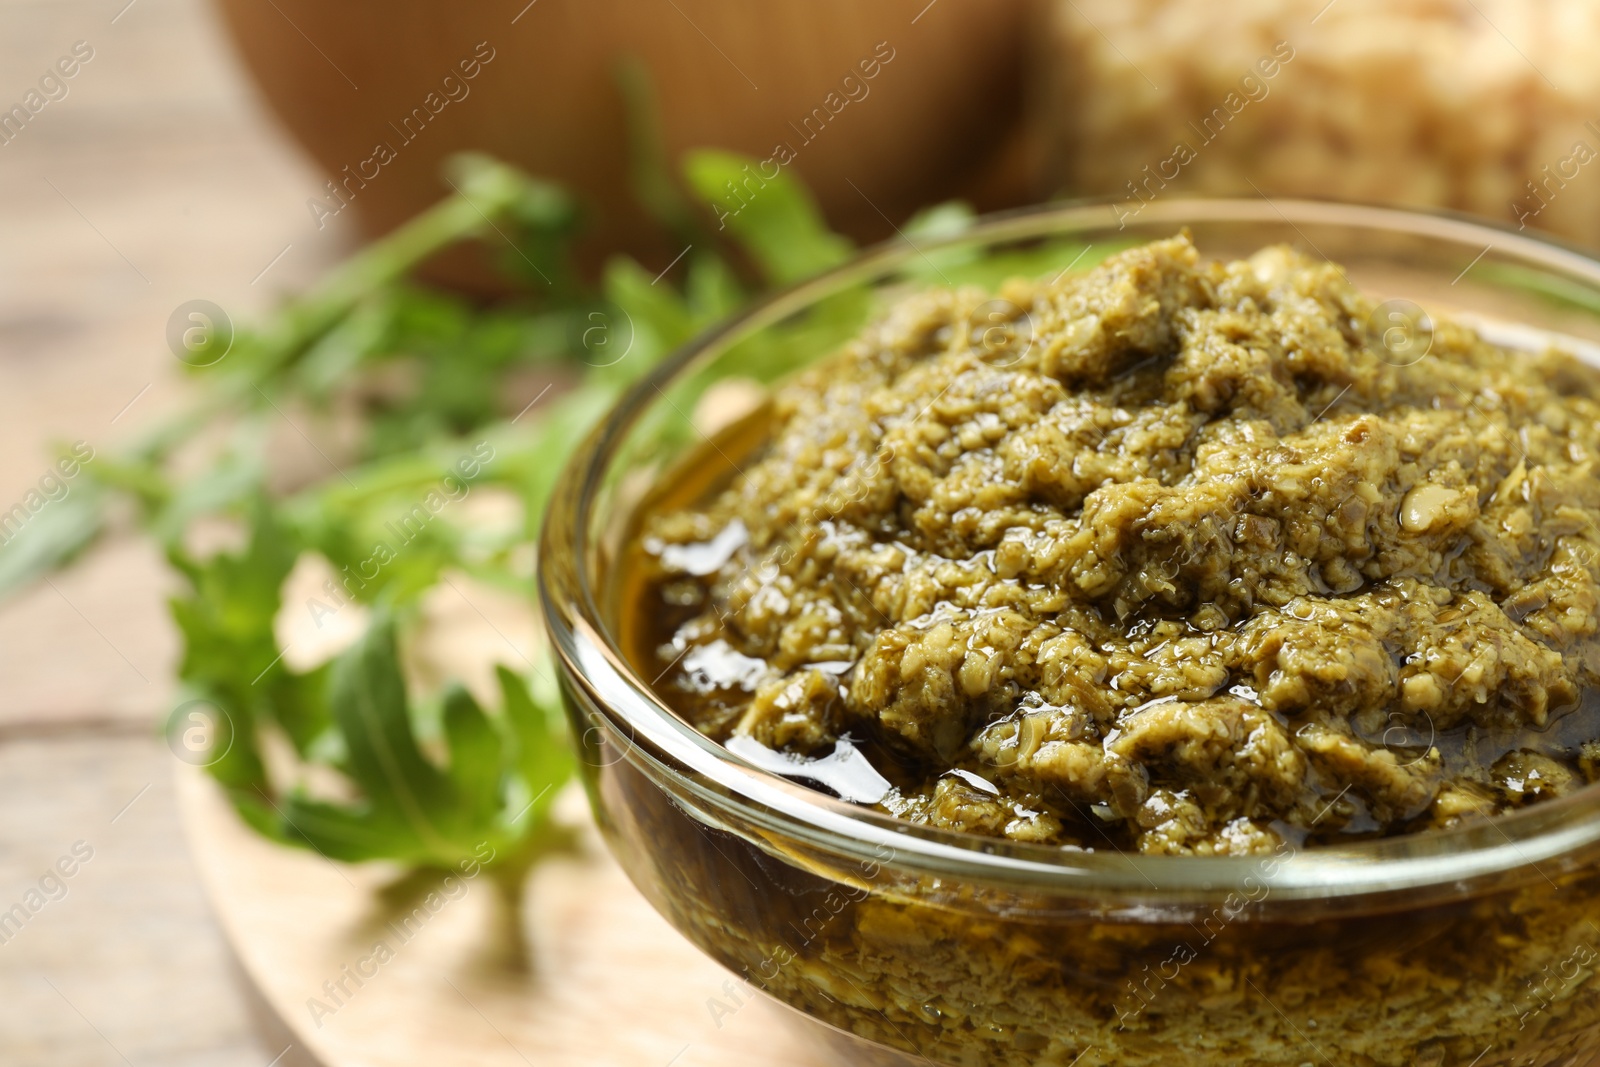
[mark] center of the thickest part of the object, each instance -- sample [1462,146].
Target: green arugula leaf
[653,320]
[1552,288]
[775,217]
[649,170]
[541,754]
[371,708]
[476,762]
[341,833]
[41,542]
[414,380]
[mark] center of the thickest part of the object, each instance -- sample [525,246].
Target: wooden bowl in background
[934,122]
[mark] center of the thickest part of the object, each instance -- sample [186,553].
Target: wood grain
[608,981]
[119,962]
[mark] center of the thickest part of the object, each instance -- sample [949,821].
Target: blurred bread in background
[1487,106]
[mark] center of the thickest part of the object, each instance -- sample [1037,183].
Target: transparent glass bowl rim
[702,772]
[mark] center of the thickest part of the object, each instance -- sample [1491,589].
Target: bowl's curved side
[976,976]
[1475,946]
[1435,259]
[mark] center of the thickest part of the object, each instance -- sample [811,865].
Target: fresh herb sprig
[425,390]
[350,757]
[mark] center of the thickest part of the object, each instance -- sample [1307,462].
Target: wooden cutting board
[345,979]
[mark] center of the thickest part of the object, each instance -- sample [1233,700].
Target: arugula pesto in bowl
[1179,556]
[1095,646]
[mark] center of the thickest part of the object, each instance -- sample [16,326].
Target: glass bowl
[903,944]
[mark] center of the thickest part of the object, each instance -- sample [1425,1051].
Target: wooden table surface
[156,179]
[590,977]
